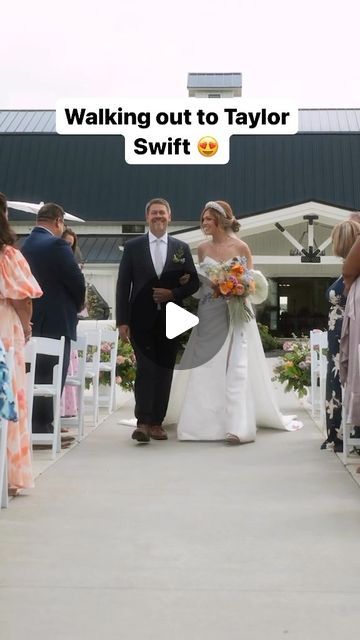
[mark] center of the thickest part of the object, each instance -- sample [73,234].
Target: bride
[230,393]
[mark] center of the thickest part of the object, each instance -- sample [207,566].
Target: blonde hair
[343,237]
[227,221]
[355,215]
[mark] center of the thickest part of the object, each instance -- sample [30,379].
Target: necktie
[158,260]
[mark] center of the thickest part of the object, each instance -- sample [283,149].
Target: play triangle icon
[178,320]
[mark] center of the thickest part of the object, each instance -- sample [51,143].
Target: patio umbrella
[31,207]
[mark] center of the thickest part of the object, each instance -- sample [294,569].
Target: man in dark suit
[150,275]
[53,265]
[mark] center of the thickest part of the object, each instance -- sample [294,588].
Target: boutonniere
[178,257]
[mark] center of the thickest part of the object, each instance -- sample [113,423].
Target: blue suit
[53,265]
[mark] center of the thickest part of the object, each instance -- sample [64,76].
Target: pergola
[316,220]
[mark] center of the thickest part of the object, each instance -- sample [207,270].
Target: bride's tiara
[216,206]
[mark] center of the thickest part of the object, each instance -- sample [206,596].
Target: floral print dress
[16,283]
[7,402]
[335,295]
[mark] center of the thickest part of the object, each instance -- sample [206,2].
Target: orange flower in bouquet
[234,282]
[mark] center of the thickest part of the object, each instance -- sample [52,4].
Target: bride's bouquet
[234,282]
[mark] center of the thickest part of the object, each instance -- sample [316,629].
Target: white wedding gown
[230,393]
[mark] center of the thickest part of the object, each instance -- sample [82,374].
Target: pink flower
[106,347]
[240,289]
[288,346]
[118,379]
[120,360]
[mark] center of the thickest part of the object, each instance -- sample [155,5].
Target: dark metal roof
[214,80]
[329,120]
[95,249]
[27,121]
[100,249]
[310,120]
[88,174]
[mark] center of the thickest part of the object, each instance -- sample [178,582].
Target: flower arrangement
[294,368]
[125,365]
[233,281]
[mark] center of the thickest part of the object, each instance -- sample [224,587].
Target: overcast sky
[306,50]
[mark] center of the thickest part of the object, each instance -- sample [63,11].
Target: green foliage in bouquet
[294,367]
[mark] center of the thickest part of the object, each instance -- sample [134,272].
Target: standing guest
[343,237]
[68,407]
[149,277]
[55,314]
[350,337]
[17,288]
[71,238]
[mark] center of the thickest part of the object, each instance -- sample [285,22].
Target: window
[283,304]
[133,228]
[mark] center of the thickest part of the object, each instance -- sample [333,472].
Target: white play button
[178,320]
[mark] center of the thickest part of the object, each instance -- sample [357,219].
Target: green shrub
[269,343]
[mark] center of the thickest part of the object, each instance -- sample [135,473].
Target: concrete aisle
[184,541]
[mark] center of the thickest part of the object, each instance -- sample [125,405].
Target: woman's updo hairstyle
[223,214]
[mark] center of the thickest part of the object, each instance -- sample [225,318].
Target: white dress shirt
[163,247]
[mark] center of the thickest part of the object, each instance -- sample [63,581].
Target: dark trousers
[43,416]
[155,361]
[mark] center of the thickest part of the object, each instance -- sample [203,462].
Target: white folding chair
[318,344]
[9,358]
[77,380]
[50,347]
[30,361]
[110,338]
[348,442]
[323,375]
[92,367]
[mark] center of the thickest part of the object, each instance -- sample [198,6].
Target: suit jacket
[53,265]
[137,278]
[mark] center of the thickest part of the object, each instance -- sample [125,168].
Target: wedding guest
[343,237]
[71,238]
[55,314]
[350,337]
[68,408]
[17,288]
[351,266]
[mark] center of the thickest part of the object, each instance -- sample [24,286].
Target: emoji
[208,146]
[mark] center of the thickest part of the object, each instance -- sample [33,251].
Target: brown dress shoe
[156,432]
[141,433]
